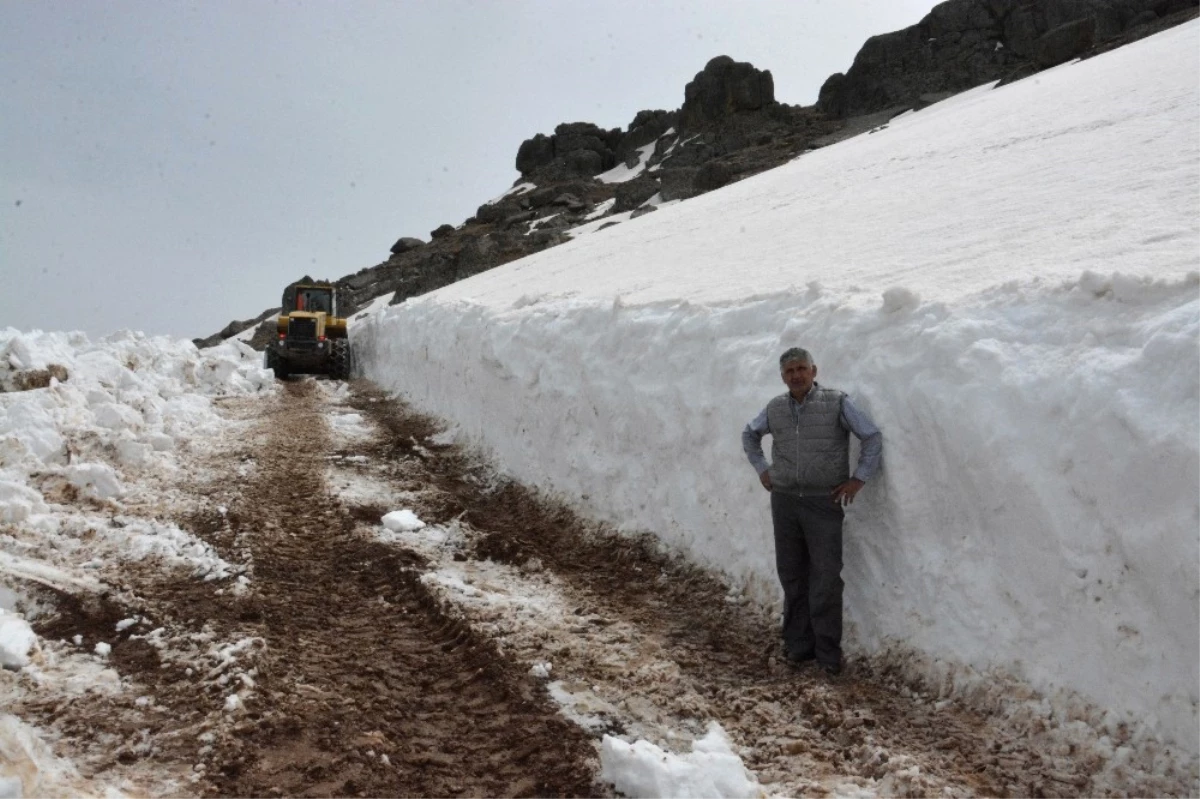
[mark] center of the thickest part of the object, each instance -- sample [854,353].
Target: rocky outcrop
[578,149]
[1065,42]
[235,327]
[406,243]
[723,88]
[730,126]
[963,43]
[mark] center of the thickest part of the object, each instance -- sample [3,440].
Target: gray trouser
[808,557]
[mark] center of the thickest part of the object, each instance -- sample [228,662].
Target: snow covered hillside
[1005,281]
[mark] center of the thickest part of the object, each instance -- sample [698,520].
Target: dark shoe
[831,669]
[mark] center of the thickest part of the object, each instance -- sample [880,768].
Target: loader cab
[311,299]
[314,300]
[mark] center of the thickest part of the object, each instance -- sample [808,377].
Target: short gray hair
[795,354]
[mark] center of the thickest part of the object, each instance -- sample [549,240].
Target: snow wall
[1006,282]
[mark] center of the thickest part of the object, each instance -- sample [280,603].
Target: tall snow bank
[1006,282]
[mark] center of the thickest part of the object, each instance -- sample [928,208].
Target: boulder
[632,193]
[710,176]
[534,153]
[646,127]
[494,212]
[1142,18]
[570,202]
[576,148]
[723,88]
[405,244]
[442,231]
[1065,42]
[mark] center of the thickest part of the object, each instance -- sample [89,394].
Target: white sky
[170,166]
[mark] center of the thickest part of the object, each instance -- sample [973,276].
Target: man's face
[798,376]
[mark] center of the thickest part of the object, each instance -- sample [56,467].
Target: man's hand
[845,493]
[765,479]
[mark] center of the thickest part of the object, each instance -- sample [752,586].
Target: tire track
[800,731]
[367,687]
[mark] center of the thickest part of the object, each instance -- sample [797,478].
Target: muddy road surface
[486,653]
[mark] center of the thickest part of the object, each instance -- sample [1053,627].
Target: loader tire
[340,369]
[277,365]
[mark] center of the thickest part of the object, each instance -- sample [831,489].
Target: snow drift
[1005,281]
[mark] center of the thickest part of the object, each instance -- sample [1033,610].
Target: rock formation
[963,43]
[730,126]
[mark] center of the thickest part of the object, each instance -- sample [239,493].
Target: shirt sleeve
[752,442]
[865,430]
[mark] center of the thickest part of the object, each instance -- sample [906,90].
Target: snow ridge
[1028,343]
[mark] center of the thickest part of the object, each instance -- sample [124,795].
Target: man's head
[798,371]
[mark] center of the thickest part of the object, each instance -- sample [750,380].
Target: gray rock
[646,127]
[534,153]
[585,162]
[405,244]
[712,175]
[361,280]
[1143,18]
[723,88]
[519,218]
[489,213]
[633,193]
[442,231]
[1020,73]
[576,148]
[678,184]
[540,197]
[1065,42]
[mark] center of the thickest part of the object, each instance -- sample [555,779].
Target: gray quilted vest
[810,450]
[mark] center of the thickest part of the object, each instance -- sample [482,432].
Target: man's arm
[865,430]
[752,446]
[861,426]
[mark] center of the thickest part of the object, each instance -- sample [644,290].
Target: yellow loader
[311,337]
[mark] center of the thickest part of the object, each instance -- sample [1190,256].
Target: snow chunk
[17,640]
[898,299]
[641,769]
[96,480]
[18,501]
[402,520]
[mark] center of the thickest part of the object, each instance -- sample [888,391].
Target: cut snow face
[996,281]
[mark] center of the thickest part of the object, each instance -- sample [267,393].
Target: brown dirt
[726,650]
[364,685]
[357,679]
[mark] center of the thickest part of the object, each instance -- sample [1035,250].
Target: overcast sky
[169,166]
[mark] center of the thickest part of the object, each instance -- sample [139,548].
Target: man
[810,483]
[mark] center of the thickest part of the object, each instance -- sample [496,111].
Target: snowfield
[1005,281]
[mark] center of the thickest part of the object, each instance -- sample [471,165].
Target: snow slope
[1006,281]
